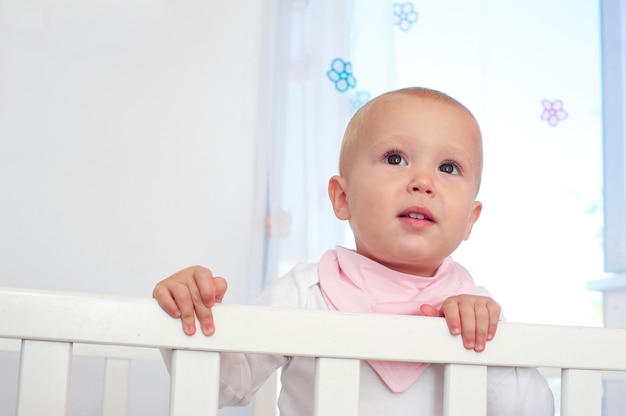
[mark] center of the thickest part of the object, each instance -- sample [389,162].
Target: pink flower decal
[553,112]
[278,224]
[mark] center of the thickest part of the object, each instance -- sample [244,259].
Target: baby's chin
[412,265]
[413,256]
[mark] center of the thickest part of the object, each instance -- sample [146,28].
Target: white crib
[49,324]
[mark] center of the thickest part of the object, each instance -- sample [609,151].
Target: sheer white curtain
[327,58]
[535,89]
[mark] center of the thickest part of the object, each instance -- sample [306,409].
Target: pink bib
[351,282]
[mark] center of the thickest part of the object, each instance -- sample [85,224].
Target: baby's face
[411,180]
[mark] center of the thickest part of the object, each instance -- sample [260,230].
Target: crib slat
[337,387]
[265,399]
[44,378]
[114,397]
[581,393]
[465,390]
[194,389]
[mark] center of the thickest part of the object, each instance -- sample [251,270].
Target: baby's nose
[423,189]
[422,183]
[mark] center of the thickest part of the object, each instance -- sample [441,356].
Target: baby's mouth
[417,213]
[417,216]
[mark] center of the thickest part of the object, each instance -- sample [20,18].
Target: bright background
[539,240]
[139,137]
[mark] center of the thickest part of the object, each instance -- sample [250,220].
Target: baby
[409,173]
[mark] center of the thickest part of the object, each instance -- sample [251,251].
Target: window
[531,73]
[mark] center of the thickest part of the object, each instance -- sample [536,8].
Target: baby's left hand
[475,317]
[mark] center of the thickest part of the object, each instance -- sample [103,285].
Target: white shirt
[511,391]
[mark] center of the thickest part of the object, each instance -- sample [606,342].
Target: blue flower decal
[359,99]
[340,73]
[404,15]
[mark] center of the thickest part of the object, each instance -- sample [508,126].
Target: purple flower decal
[404,15]
[553,112]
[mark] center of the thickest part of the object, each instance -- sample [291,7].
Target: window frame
[613,49]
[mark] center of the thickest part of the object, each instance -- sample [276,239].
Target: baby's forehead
[375,110]
[377,120]
[373,115]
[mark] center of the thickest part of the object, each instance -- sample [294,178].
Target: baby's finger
[211,289]
[468,324]
[482,326]
[205,318]
[206,287]
[450,310]
[429,310]
[201,310]
[220,288]
[185,301]
[494,318]
[166,301]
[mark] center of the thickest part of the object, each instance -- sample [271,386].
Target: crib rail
[50,323]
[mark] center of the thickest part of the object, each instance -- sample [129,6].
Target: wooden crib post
[337,387]
[195,380]
[44,378]
[465,390]
[581,392]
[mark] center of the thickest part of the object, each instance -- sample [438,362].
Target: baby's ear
[474,215]
[338,197]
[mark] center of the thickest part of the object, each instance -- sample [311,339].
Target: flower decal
[359,99]
[340,73]
[404,15]
[553,112]
[278,224]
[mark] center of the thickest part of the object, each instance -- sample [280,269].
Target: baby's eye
[394,158]
[449,167]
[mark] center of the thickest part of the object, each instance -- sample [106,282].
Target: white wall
[127,141]
[127,151]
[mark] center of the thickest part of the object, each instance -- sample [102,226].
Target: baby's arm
[475,317]
[191,293]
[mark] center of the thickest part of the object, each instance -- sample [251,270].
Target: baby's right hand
[189,293]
